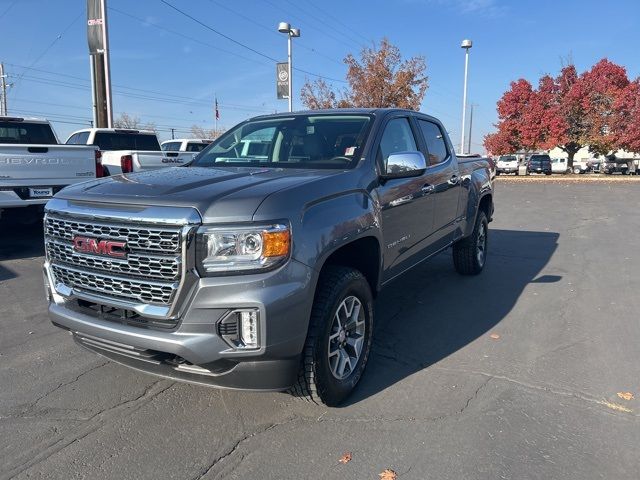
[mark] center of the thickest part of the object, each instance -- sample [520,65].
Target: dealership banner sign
[282,80]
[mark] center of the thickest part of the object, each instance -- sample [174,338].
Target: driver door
[407,204]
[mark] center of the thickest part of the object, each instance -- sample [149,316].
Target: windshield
[539,158]
[126,141]
[300,141]
[171,146]
[27,133]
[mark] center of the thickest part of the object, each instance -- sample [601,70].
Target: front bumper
[193,351]
[507,169]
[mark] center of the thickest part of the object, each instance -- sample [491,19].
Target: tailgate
[154,160]
[46,164]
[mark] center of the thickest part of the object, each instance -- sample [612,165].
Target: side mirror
[405,164]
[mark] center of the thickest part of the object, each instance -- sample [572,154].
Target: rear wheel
[470,254]
[339,339]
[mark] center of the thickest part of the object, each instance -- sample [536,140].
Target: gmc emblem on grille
[100,247]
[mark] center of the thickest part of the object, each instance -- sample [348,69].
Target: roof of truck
[117,130]
[201,140]
[10,118]
[346,111]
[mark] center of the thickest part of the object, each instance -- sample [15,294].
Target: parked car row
[536,163]
[542,163]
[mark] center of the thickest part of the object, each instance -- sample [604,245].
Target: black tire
[466,257]
[316,382]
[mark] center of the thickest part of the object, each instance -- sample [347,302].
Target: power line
[264,55]
[50,46]
[6,10]
[273,32]
[337,20]
[326,25]
[160,98]
[180,34]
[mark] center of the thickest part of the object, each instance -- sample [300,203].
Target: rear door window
[434,139]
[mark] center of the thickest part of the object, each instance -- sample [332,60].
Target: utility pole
[107,65]
[3,80]
[172,134]
[100,67]
[470,128]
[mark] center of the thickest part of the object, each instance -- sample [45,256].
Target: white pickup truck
[34,167]
[126,150]
[193,145]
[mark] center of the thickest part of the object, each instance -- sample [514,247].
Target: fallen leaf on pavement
[495,336]
[615,406]
[388,475]
[625,395]
[345,458]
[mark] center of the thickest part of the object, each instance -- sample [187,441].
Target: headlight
[243,248]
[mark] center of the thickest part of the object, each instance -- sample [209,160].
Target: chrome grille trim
[128,289]
[137,265]
[137,238]
[160,234]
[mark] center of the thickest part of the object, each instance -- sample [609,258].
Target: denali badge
[100,247]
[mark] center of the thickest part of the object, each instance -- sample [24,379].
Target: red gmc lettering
[102,247]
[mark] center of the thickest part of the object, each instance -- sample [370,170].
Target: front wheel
[470,254]
[339,338]
[576,170]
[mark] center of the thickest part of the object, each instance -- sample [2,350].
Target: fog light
[239,328]
[249,328]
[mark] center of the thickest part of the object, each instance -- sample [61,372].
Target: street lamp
[284,27]
[466,44]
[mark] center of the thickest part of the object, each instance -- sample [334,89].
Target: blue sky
[179,74]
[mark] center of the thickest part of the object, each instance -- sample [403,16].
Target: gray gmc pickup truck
[256,266]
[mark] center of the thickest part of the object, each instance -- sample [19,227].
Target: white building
[583,154]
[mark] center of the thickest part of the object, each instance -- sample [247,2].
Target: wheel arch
[362,254]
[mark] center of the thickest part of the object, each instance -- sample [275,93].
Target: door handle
[454,180]
[427,189]
[401,200]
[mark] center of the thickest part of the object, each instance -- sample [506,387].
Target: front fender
[331,222]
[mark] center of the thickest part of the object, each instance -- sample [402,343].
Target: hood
[219,194]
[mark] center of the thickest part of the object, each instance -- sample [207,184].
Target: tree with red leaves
[569,111]
[625,125]
[381,78]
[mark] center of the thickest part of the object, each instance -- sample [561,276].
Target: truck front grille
[118,287]
[149,239]
[149,273]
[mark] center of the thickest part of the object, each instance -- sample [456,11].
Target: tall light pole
[466,44]
[284,27]
[3,91]
[470,127]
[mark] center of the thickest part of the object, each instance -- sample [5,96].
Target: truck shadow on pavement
[19,240]
[431,312]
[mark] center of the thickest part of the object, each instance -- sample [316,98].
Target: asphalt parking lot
[511,374]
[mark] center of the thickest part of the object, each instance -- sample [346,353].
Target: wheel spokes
[346,337]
